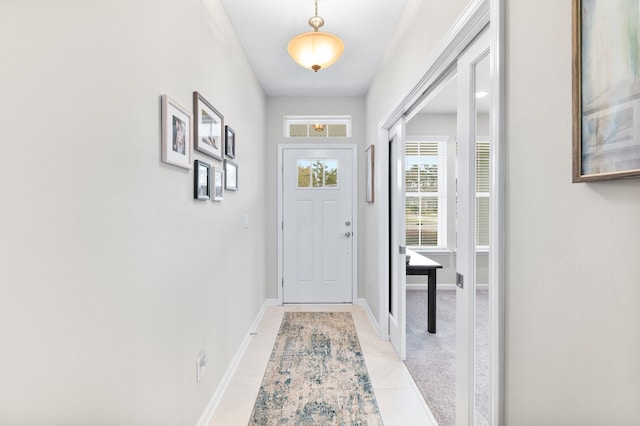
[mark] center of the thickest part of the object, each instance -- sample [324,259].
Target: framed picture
[230,142]
[606,90]
[230,175]
[209,126]
[217,185]
[201,181]
[176,133]
[370,163]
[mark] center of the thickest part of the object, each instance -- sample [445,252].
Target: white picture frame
[177,139]
[218,185]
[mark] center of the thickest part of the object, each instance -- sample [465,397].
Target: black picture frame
[229,142]
[230,175]
[201,180]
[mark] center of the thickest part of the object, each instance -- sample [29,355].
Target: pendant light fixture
[315,49]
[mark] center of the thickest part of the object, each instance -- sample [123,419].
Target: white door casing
[317,224]
[398,290]
[466,229]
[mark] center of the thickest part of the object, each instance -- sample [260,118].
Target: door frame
[354,201]
[467,116]
[397,141]
[473,20]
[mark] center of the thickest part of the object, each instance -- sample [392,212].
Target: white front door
[398,279]
[318,224]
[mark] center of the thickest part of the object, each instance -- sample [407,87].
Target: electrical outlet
[201,362]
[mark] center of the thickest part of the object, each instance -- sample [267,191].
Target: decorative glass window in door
[318,173]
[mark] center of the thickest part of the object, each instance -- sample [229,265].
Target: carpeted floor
[316,374]
[431,358]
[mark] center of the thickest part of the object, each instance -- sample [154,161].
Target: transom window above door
[319,126]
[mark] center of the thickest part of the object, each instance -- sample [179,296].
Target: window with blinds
[483,176]
[425,186]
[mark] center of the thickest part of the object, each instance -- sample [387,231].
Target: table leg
[431,302]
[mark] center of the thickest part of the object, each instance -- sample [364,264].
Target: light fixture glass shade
[315,49]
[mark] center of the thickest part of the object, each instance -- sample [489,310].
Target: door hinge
[282,283]
[282,225]
[402,249]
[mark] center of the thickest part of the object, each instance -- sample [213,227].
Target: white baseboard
[425,406]
[206,416]
[443,286]
[363,302]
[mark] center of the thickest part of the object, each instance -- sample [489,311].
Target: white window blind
[426,189]
[483,176]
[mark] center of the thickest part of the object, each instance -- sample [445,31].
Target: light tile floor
[399,399]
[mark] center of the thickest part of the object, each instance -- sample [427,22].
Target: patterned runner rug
[316,375]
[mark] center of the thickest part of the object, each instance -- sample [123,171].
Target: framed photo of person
[208,134]
[218,179]
[230,142]
[202,181]
[231,175]
[176,134]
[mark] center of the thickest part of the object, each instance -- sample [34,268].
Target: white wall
[277,109]
[112,278]
[572,270]
[572,289]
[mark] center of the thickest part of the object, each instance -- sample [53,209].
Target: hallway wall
[572,295]
[112,278]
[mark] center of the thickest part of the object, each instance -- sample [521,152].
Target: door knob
[346,234]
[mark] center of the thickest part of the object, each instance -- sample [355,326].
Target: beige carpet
[431,358]
[316,375]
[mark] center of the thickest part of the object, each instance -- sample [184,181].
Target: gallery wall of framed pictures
[202,132]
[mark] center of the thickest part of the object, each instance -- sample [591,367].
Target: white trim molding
[210,409]
[498,217]
[363,302]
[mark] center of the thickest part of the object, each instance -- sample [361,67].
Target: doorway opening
[470,263]
[431,209]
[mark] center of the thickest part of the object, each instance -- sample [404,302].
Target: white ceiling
[265,27]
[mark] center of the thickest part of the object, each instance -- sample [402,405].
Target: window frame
[441,195]
[314,119]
